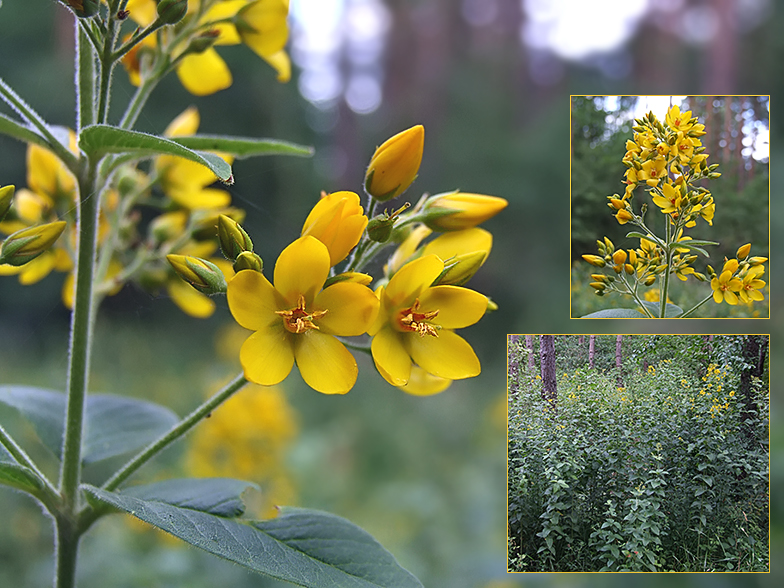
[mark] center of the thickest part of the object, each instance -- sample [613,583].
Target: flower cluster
[303,315]
[668,161]
[188,47]
[145,216]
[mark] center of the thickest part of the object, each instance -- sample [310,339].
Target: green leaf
[242,147]
[115,425]
[616,313]
[18,476]
[99,140]
[301,546]
[692,247]
[638,235]
[218,496]
[670,311]
[20,131]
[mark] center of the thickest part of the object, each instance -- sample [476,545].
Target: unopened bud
[594,260]
[609,245]
[203,42]
[168,226]
[6,197]
[379,228]
[714,175]
[199,273]
[598,285]
[460,269]
[27,244]
[233,238]
[248,260]
[650,279]
[395,164]
[172,11]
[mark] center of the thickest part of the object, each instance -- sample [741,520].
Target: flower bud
[598,285]
[617,203]
[455,211]
[199,273]
[650,279]
[169,225]
[6,197]
[27,244]
[232,237]
[395,164]
[619,257]
[757,260]
[461,268]
[172,11]
[714,175]
[248,260]
[743,251]
[609,245]
[595,260]
[83,8]
[623,216]
[338,221]
[203,42]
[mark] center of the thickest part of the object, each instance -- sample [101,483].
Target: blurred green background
[490,80]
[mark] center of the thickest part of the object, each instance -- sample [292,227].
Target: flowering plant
[669,162]
[81,214]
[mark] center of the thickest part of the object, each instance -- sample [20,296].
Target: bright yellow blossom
[725,285]
[416,321]
[296,321]
[395,164]
[337,220]
[671,202]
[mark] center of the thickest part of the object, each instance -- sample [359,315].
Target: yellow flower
[677,120]
[751,285]
[463,253]
[671,202]
[185,181]
[653,171]
[295,320]
[623,216]
[338,221]
[725,285]
[469,210]
[395,164]
[415,322]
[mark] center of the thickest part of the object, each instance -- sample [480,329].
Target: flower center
[298,320]
[411,320]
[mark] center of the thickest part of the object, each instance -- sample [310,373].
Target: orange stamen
[413,321]
[298,320]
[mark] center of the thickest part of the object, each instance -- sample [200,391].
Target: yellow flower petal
[414,277]
[447,356]
[281,63]
[351,308]
[459,242]
[191,301]
[407,248]
[268,31]
[423,384]
[391,357]
[224,10]
[186,123]
[457,307]
[201,198]
[204,73]
[253,301]
[267,355]
[324,362]
[301,270]
[37,269]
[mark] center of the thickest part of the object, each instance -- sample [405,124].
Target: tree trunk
[751,357]
[529,345]
[513,359]
[591,349]
[549,384]
[618,364]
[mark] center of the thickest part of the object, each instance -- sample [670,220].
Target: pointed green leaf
[616,313]
[99,140]
[692,245]
[219,496]
[20,131]
[114,425]
[638,235]
[242,147]
[671,310]
[19,477]
[301,546]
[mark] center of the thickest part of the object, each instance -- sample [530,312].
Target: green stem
[633,292]
[85,75]
[696,306]
[666,281]
[136,39]
[81,335]
[175,433]
[66,548]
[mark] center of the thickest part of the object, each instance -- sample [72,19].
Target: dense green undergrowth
[666,472]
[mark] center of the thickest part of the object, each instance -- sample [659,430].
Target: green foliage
[301,546]
[658,475]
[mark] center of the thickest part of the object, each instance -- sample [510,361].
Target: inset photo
[670,206]
[638,453]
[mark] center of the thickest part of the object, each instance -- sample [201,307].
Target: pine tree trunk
[529,345]
[618,363]
[751,356]
[513,361]
[591,349]
[549,384]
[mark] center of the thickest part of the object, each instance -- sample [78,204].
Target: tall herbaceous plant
[666,160]
[80,214]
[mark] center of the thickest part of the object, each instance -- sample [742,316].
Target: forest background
[490,80]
